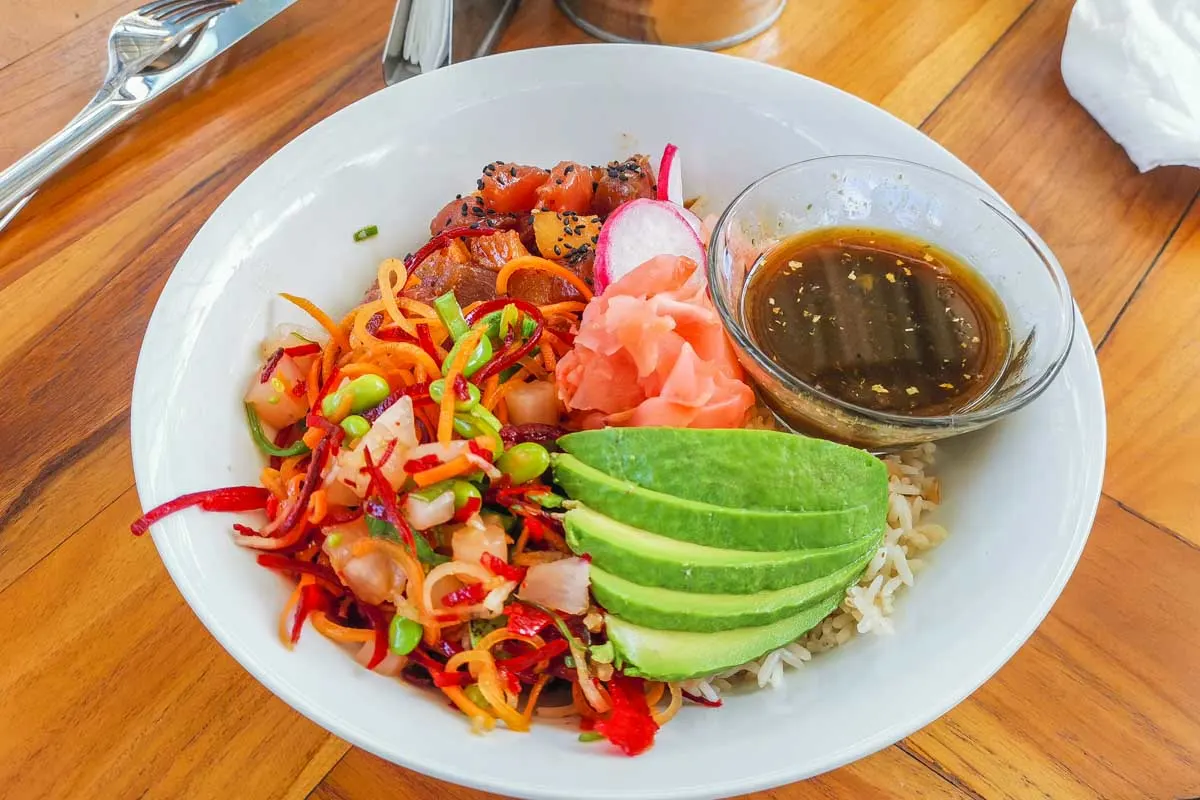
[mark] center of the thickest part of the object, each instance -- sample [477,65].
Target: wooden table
[110,687]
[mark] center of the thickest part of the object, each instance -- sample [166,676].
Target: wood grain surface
[110,687]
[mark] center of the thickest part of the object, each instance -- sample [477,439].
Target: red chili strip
[501,568]
[444,678]
[467,595]
[234,498]
[470,507]
[477,450]
[395,335]
[341,517]
[630,725]
[380,623]
[442,239]
[299,388]
[415,465]
[270,366]
[544,653]
[507,357]
[483,309]
[331,383]
[301,350]
[526,620]
[312,598]
[425,340]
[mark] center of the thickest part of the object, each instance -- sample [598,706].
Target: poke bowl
[524,588]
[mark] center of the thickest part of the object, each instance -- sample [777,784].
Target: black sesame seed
[568,169]
[558,181]
[512,171]
[464,208]
[557,250]
[479,183]
[595,239]
[595,185]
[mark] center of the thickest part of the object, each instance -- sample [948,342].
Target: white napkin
[1135,66]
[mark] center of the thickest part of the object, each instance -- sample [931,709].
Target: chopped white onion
[424,514]
[561,585]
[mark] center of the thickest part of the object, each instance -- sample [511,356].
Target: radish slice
[670,178]
[637,232]
[696,223]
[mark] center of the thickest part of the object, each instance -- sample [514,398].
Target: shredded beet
[470,507]
[538,433]
[234,498]
[379,622]
[704,701]
[419,392]
[295,566]
[440,241]
[387,497]
[527,620]
[270,366]
[415,465]
[312,598]
[460,388]
[311,480]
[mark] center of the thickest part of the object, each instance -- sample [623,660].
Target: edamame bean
[464,492]
[481,355]
[367,391]
[524,462]
[437,391]
[475,695]
[403,635]
[355,426]
[329,405]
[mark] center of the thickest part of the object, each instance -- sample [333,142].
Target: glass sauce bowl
[924,203]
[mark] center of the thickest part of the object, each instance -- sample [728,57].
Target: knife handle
[27,175]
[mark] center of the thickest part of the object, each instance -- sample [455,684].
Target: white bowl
[1020,496]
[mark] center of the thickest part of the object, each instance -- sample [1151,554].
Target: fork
[147,50]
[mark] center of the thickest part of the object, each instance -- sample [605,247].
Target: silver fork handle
[27,175]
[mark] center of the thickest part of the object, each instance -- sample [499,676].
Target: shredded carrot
[285,617]
[312,437]
[328,356]
[335,332]
[340,633]
[389,269]
[287,471]
[548,355]
[522,540]
[545,265]
[356,368]
[312,386]
[502,392]
[477,714]
[417,307]
[466,346]
[453,467]
[582,707]
[535,694]
[271,479]
[561,309]
[362,317]
[343,408]
[408,353]
[502,411]
[317,506]
[654,691]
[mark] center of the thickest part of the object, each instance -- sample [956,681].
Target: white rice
[868,604]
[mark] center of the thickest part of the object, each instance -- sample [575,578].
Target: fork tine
[199,12]
[160,8]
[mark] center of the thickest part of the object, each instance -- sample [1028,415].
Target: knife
[118,101]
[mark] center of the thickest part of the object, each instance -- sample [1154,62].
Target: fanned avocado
[736,468]
[666,609]
[652,560]
[712,525]
[678,655]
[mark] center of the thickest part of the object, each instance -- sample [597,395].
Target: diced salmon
[651,351]
[509,188]
[493,252]
[622,181]
[469,210]
[569,188]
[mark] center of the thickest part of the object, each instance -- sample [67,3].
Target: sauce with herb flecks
[878,319]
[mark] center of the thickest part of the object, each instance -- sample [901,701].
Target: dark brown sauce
[878,319]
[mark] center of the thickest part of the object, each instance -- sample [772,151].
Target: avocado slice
[667,609]
[652,560]
[678,655]
[736,468]
[712,525]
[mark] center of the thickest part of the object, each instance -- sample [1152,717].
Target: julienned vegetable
[363,234]
[407,494]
